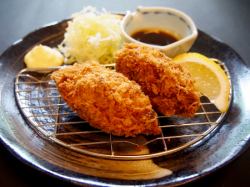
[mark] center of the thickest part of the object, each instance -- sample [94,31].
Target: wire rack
[48,114]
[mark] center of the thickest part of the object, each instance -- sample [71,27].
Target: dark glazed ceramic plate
[225,144]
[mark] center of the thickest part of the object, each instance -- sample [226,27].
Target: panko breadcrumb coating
[169,86]
[107,100]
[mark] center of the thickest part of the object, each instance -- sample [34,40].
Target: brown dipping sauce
[154,36]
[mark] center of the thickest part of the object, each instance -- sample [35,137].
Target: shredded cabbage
[92,35]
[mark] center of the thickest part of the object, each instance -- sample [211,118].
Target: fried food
[168,85]
[107,100]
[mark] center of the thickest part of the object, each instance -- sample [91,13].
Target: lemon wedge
[210,79]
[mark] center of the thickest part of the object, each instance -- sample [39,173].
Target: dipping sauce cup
[166,29]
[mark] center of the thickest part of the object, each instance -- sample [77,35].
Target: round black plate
[225,144]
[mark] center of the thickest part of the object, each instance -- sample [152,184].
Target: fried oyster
[106,99]
[169,86]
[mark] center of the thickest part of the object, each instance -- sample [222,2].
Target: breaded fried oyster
[107,100]
[169,86]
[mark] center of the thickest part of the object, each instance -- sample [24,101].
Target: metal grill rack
[49,115]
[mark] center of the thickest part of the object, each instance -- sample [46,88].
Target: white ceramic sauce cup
[171,20]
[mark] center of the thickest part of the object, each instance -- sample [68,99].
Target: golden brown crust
[107,99]
[169,86]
